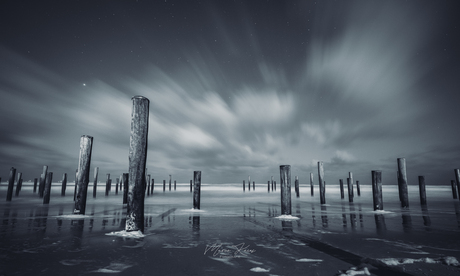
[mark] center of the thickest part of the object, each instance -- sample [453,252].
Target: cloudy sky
[236,88]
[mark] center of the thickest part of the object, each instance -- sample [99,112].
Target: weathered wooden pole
[41,185]
[457,179]
[350,190]
[403,181]
[96,173]
[297,192]
[358,189]
[18,184]
[164,185]
[191,189]
[268,185]
[125,187]
[170,182]
[196,189]
[174,185]
[117,180]
[137,161]
[342,196]
[153,185]
[47,190]
[107,185]
[244,186]
[285,177]
[9,194]
[272,183]
[422,189]
[148,184]
[454,189]
[350,175]
[35,185]
[253,185]
[249,183]
[75,186]
[377,190]
[84,163]
[322,186]
[311,184]
[63,184]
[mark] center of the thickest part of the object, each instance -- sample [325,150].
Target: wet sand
[234,233]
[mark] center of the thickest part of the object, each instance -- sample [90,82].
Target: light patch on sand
[259,269]
[287,217]
[131,234]
[452,261]
[305,260]
[113,268]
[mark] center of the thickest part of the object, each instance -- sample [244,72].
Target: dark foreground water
[234,233]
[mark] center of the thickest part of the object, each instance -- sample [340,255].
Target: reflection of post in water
[324,216]
[76,230]
[380,223]
[41,218]
[406,222]
[344,216]
[426,216]
[457,212]
[286,225]
[313,216]
[195,224]
[352,216]
[361,218]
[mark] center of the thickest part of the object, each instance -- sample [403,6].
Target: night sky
[236,88]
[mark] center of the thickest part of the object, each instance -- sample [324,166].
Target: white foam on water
[452,261]
[355,271]
[381,212]
[125,234]
[223,260]
[305,260]
[113,268]
[296,242]
[269,246]
[76,216]
[259,269]
[287,217]
[193,210]
[74,262]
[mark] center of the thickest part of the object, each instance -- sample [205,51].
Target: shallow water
[234,232]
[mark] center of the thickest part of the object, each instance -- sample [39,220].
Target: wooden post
[249,183]
[107,185]
[125,187]
[350,190]
[96,172]
[76,184]
[9,194]
[322,186]
[18,184]
[164,185]
[153,185]
[84,163]
[253,185]
[377,190]
[358,188]
[454,189]
[47,190]
[403,181]
[311,184]
[268,185]
[64,184]
[272,183]
[116,185]
[457,179]
[41,185]
[285,176]
[244,186]
[148,184]
[35,185]
[342,196]
[350,175]
[174,185]
[422,189]
[191,186]
[297,192]
[197,189]
[170,182]
[137,161]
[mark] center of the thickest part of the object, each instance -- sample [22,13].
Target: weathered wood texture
[377,190]
[84,163]
[285,177]
[12,176]
[196,189]
[322,186]
[403,182]
[47,190]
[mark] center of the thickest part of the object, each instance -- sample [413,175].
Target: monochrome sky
[236,88]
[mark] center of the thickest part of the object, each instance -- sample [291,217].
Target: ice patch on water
[355,271]
[452,261]
[305,260]
[113,268]
[287,217]
[125,234]
[76,216]
[259,269]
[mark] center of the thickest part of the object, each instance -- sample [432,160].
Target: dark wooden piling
[422,189]
[358,189]
[174,185]
[170,182]
[63,184]
[137,164]
[35,184]
[297,192]
[350,175]
[96,173]
[196,189]
[268,185]
[403,182]
[272,183]
[84,163]
[18,184]
[107,185]
[164,185]
[253,185]
[125,187]
[342,196]
[285,177]
[350,190]
[153,185]
[41,185]
[191,187]
[322,186]
[244,186]
[249,183]
[75,186]
[457,179]
[311,185]
[148,184]
[47,190]
[454,189]
[377,190]
[9,194]
[117,180]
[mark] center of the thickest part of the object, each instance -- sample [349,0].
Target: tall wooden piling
[117,180]
[125,187]
[41,185]
[9,194]
[170,182]
[174,185]
[268,186]
[350,175]
[312,190]
[358,189]
[137,161]
[272,183]
[75,186]
[191,187]
[253,185]
[35,185]
[164,185]
[148,184]
[322,186]
[422,189]
[84,163]
[196,189]
[350,190]
[454,189]
[249,183]
[244,186]
[403,181]
[107,185]
[285,176]
[457,179]
[377,190]
[342,196]
[153,185]
[297,192]
[96,172]
[18,184]
[63,184]
[47,190]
